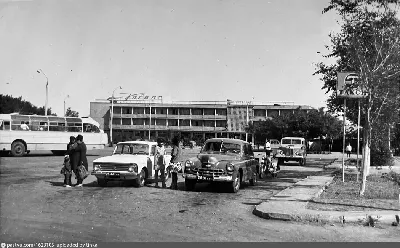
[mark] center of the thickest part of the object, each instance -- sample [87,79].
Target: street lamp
[65,114]
[47,90]
[112,113]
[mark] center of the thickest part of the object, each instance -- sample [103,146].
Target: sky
[182,50]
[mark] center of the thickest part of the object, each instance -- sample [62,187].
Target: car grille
[114,167]
[208,171]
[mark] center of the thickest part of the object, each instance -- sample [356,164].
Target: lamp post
[65,114]
[47,90]
[112,113]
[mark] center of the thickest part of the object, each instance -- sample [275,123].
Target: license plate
[112,174]
[204,178]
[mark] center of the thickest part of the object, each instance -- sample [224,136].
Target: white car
[131,161]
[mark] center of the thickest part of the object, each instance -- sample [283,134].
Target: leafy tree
[369,44]
[71,113]
[311,124]
[10,104]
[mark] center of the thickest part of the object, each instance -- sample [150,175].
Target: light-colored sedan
[131,161]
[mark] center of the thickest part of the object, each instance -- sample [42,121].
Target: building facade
[194,120]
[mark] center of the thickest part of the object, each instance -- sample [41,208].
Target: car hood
[204,158]
[123,159]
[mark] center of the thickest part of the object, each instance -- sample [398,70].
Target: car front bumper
[221,178]
[115,175]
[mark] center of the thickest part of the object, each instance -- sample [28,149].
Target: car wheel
[140,180]
[235,185]
[17,149]
[190,184]
[101,182]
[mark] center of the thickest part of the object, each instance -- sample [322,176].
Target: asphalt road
[36,208]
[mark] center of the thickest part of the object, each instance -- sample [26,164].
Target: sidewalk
[290,205]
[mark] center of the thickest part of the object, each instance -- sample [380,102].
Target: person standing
[80,152]
[175,156]
[160,162]
[348,150]
[70,168]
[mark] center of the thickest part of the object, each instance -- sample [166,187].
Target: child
[67,171]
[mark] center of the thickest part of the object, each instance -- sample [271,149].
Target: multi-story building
[149,119]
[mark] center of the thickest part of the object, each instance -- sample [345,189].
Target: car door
[151,160]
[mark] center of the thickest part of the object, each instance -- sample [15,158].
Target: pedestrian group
[75,161]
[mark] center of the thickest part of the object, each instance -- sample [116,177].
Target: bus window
[6,125]
[43,126]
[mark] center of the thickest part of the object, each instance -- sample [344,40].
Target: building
[195,120]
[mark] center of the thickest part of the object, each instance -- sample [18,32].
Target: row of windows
[172,122]
[171,111]
[48,126]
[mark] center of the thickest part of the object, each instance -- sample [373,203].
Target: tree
[369,44]
[71,113]
[312,124]
[10,104]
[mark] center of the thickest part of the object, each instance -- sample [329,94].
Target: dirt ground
[36,208]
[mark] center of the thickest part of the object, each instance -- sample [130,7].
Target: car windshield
[217,147]
[291,141]
[133,149]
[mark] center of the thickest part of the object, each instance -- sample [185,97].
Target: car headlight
[280,152]
[96,167]
[188,164]
[229,167]
[133,168]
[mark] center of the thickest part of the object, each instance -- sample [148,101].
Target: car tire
[190,184]
[101,182]
[141,179]
[235,185]
[18,149]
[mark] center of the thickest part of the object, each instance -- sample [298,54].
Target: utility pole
[47,90]
[112,114]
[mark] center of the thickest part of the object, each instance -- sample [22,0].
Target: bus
[20,134]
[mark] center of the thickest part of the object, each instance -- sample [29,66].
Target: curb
[299,213]
[332,218]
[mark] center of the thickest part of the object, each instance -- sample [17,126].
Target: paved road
[35,207]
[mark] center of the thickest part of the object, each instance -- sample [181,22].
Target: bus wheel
[17,149]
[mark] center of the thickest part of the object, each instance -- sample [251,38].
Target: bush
[381,157]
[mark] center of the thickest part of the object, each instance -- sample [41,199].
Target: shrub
[381,156]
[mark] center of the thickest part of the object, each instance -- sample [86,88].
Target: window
[173,111]
[153,150]
[209,112]
[184,122]
[259,112]
[126,110]
[197,123]
[221,111]
[126,121]
[138,111]
[173,122]
[161,111]
[197,112]
[184,111]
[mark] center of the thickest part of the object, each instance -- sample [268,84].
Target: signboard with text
[348,85]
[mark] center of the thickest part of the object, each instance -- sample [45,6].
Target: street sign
[347,85]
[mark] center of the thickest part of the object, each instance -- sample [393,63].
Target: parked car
[292,148]
[223,160]
[131,161]
[275,145]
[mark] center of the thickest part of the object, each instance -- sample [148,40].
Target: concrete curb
[365,219]
[292,207]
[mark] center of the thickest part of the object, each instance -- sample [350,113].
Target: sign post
[347,87]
